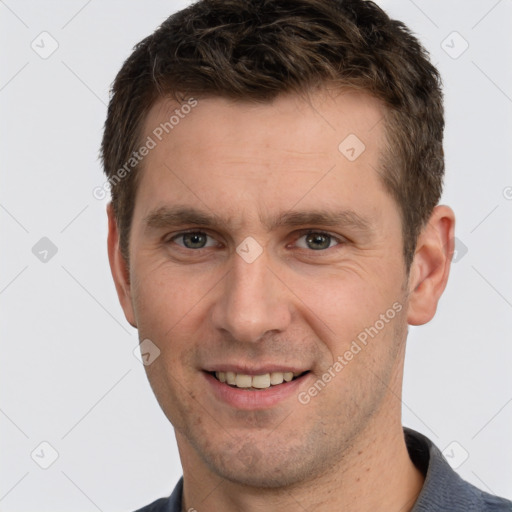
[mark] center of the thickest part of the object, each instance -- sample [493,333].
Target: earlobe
[119,268]
[431,265]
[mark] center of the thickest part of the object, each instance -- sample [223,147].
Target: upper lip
[255,370]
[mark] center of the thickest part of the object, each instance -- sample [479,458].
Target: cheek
[170,389]
[168,313]
[167,299]
[345,306]
[364,367]
[161,317]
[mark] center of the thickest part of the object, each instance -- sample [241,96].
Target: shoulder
[160,505]
[170,504]
[443,489]
[496,504]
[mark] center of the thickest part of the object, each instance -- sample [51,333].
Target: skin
[247,165]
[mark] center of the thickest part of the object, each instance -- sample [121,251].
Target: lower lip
[249,399]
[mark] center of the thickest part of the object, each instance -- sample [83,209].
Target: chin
[266,468]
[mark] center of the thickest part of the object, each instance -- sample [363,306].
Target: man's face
[260,247]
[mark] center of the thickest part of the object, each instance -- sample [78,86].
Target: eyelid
[296,236]
[171,238]
[303,232]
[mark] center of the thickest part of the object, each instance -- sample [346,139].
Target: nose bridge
[252,303]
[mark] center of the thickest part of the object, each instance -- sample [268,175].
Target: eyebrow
[345,218]
[165,217]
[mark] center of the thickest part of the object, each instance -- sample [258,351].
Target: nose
[253,301]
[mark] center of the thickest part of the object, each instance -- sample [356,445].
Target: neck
[377,475]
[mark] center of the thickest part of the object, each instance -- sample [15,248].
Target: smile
[255,382]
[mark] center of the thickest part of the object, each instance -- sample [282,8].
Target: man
[276,168]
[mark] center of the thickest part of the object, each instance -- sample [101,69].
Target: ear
[431,265]
[119,268]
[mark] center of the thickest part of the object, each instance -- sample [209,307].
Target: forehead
[329,112]
[233,155]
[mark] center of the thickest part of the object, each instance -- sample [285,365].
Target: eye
[317,241]
[194,240]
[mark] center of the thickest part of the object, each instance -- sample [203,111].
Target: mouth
[256,382]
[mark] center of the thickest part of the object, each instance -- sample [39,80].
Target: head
[282,214]
[254,51]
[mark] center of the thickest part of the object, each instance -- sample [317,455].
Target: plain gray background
[68,373]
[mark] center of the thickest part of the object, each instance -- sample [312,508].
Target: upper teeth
[241,380]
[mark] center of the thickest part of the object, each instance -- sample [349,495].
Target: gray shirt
[443,490]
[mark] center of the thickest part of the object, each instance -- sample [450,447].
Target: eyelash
[307,232]
[300,234]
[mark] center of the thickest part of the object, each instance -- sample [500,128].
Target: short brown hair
[254,50]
